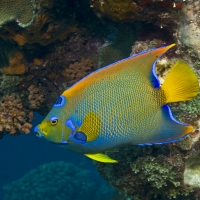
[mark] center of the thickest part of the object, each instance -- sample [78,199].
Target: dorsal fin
[148,62]
[143,62]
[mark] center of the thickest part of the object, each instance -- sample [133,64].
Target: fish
[121,104]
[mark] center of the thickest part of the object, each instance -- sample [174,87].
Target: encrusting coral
[14,118]
[116,9]
[57,180]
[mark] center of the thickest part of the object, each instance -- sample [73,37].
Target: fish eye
[54,120]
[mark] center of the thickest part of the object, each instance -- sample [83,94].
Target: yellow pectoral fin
[101,158]
[90,126]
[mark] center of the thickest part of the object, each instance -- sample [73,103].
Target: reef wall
[46,46]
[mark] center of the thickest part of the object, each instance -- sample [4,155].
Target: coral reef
[180,18]
[15,63]
[115,9]
[35,98]
[49,45]
[14,118]
[156,172]
[189,27]
[57,180]
[35,21]
[78,70]
[22,11]
[131,10]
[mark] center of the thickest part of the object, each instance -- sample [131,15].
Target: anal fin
[168,129]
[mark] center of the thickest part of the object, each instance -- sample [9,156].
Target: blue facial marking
[70,124]
[79,137]
[60,101]
[53,118]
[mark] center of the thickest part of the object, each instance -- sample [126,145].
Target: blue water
[23,153]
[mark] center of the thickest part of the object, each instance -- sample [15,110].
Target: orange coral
[37,61]
[20,39]
[78,70]
[117,10]
[15,63]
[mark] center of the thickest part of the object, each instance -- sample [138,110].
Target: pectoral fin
[101,158]
[90,126]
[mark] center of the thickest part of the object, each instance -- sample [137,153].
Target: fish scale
[119,105]
[115,94]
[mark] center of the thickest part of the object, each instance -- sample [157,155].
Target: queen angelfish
[121,104]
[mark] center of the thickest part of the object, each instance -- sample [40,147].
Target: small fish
[121,104]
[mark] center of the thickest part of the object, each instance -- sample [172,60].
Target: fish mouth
[38,132]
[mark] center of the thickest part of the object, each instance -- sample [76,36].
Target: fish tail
[181,84]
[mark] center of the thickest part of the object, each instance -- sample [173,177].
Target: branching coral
[13,117]
[57,180]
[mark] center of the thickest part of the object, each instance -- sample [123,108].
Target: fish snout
[39,133]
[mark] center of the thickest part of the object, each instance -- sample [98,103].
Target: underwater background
[48,45]
[21,155]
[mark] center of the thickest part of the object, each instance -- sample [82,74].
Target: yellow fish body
[121,104]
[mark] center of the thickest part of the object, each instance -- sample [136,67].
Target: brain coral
[21,10]
[59,181]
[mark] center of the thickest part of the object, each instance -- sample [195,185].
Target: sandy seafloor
[20,154]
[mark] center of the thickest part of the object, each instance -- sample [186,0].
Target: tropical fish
[121,104]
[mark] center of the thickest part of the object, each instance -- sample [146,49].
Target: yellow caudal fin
[101,158]
[181,84]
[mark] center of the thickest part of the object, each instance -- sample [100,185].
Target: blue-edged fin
[181,84]
[168,129]
[145,63]
[101,158]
